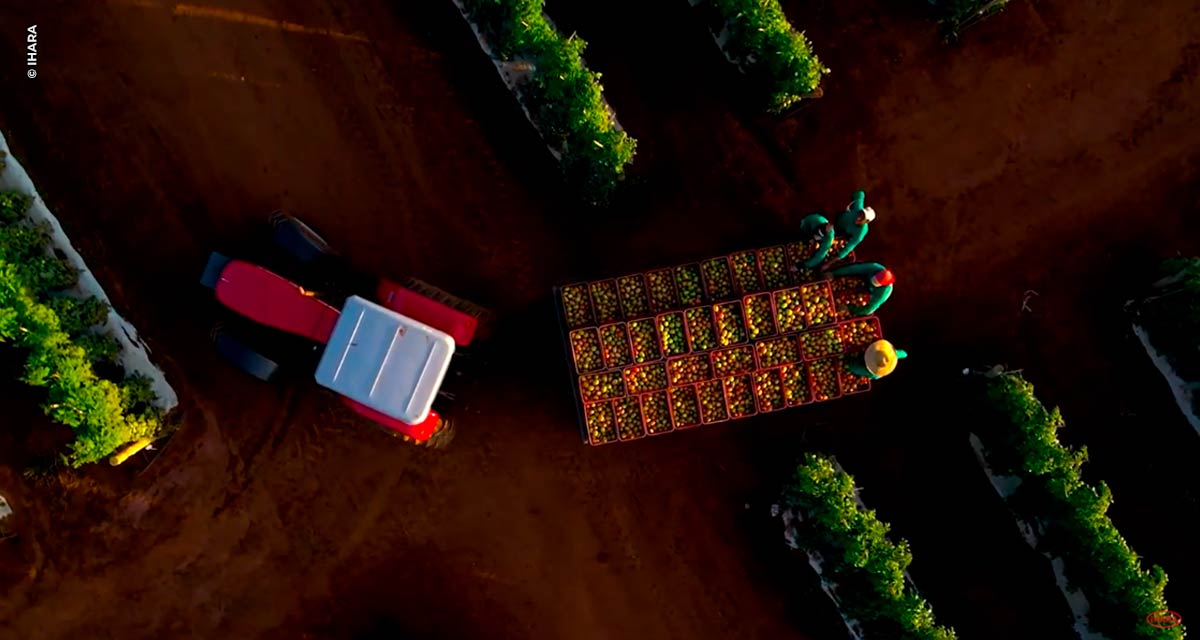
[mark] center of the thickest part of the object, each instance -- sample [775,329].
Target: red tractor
[387,349]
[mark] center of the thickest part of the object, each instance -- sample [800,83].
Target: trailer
[707,342]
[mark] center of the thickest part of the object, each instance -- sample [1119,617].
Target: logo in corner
[1164,619]
[31,50]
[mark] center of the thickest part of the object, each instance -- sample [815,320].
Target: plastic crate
[628,413]
[730,315]
[671,318]
[656,413]
[784,350]
[582,342]
[577,305]
[820,342]
[772,263]
[684,406]
[848,291]
[851,383]
[817,298]
[850,341]
[747,278]
[644,378]
[635,296]
[768,390]
[689,369]
[615,347]
[815,376]
[799,250]
[758,331]
[725,362]
[614,380]
[660,285]
[606,302]
[701,330]
[785,301]
[797,385]
[718,279]
[739,390]
[643,340]
[601,424]
[717,410]
[689,284]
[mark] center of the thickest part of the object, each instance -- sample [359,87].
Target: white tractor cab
[385,361]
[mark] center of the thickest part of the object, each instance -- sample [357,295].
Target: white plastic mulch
[134,356]
[1182,391]
[1006,486]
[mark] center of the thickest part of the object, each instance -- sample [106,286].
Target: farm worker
[879,284]
[817,226]
[879,360]
[850,224]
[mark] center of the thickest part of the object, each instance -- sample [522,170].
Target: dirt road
[1056,150]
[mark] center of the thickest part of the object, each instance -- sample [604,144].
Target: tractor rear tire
[484,315]
[442,435]
[298,240]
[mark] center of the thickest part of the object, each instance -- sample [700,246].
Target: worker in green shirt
[879,283]
[850,224]
[877,361]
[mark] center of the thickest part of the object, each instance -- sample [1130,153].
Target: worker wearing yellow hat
[878,360]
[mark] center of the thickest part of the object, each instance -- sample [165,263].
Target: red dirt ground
[1057,149]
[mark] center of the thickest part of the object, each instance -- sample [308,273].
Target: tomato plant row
[56,332]
[856,555]
[562,97]
[759,39]
[1020,438]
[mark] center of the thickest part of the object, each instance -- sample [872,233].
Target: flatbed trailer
[706,342]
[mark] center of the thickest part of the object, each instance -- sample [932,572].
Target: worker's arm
[810,226]
[856,269]
[858,201]
[858,367]
[879,295]
[852,240]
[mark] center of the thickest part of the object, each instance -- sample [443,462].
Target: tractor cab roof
[386,361]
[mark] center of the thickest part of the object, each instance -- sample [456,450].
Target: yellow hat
[881,358]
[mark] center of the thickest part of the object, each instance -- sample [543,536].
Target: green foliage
[25,245]
[13,206]
[1073,514]
[868,568]
[99,347]
[137,395]
[20,242]
[563,96]
[75,315]
[103,414]
[770,49]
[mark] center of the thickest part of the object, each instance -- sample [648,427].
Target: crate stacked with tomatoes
[721,339]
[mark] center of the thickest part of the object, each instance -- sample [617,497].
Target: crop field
[1029,178]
